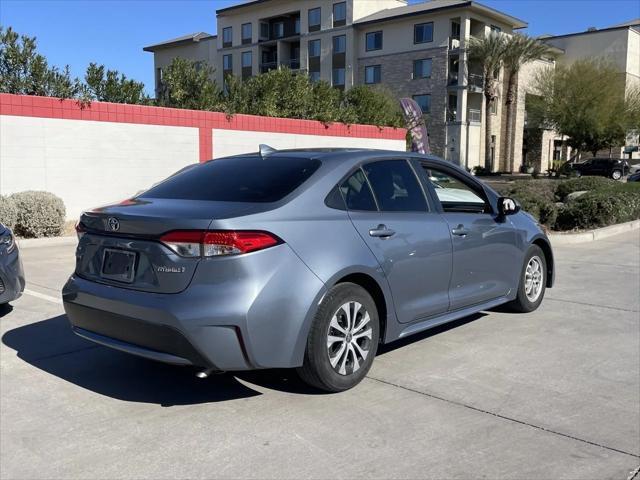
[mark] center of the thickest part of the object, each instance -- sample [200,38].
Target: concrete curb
[46,242]
[591,235]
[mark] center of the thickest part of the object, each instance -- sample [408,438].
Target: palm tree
[490,52]
[518,51]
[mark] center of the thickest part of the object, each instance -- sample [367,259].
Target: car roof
[355,155]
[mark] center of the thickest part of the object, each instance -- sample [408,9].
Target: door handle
[381,231]
[460,231]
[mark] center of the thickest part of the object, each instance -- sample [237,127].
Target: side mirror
[508,206]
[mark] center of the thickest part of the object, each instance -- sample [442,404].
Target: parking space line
[42,296]
[503,417]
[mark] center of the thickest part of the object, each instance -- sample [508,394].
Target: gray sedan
[11,271]
[300,259]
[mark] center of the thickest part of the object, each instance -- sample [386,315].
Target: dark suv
[615,168]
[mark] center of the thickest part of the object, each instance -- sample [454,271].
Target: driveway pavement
[552,394]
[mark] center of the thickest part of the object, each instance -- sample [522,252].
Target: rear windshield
[241,179]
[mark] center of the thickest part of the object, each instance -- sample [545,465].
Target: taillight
[213,243]
[80,230]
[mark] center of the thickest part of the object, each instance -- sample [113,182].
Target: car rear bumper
[12,279]
[256,318]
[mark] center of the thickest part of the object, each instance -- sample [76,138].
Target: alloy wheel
[533,277]
[349,338]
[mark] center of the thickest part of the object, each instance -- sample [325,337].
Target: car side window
[454,194]
[395,186]
[357,194]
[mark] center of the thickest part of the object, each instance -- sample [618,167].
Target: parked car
[615,168]
[302,259]
[634,177]
[11,271]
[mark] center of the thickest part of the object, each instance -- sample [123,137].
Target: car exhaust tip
[208,372]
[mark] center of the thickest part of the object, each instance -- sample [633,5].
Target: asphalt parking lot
[552,394]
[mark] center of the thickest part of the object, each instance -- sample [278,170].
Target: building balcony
[476,82]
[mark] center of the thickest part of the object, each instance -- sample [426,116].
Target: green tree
[519,50]
[489,51]
[587,101]
[111,86]
[287,94]
[372,106]
[189,84]
[24,71]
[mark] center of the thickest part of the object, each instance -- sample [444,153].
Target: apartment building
[199,47]
[415,50]
[619,44]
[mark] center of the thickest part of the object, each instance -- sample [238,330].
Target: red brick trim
[206,145]
[47,107]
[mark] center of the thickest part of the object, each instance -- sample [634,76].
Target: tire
[525,303]
[349,364]
[616,174]
[578,174]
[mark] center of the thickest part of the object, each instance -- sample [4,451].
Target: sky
[113,32]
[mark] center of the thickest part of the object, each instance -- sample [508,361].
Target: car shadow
[418,337]
[5,309]
[51,346]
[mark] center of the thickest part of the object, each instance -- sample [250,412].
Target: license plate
[118,265]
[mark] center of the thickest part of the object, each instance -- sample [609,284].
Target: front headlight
[7,240]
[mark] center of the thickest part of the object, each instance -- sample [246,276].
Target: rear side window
[357,194]
[241,179]
[395,186]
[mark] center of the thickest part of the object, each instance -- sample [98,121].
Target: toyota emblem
[114,224]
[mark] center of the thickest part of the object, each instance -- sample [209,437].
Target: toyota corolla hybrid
[300,259]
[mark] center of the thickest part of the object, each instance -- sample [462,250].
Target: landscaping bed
[576,204]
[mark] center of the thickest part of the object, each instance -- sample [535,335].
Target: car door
[486,259]
[411,242]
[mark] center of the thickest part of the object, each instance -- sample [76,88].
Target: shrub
[600,208]
[39,214]
[536,197]
[8,212]
[581,184]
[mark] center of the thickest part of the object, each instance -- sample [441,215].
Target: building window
[455,30]
[340,44]
[495,29]
[422,68]
[424,102]
[314,48]
[314,77]
[247,63]
[264,31]
[246,33]
[227,62]
[227,37]
[278,30]
[158,78]
[493,107]
[373,74]
[423,32]
[339,14]
[314,19]
[374,41]
[296,26]
[246,59]
[338,77]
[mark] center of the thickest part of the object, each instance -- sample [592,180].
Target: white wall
[234,142]
[89,163]
[92,163]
